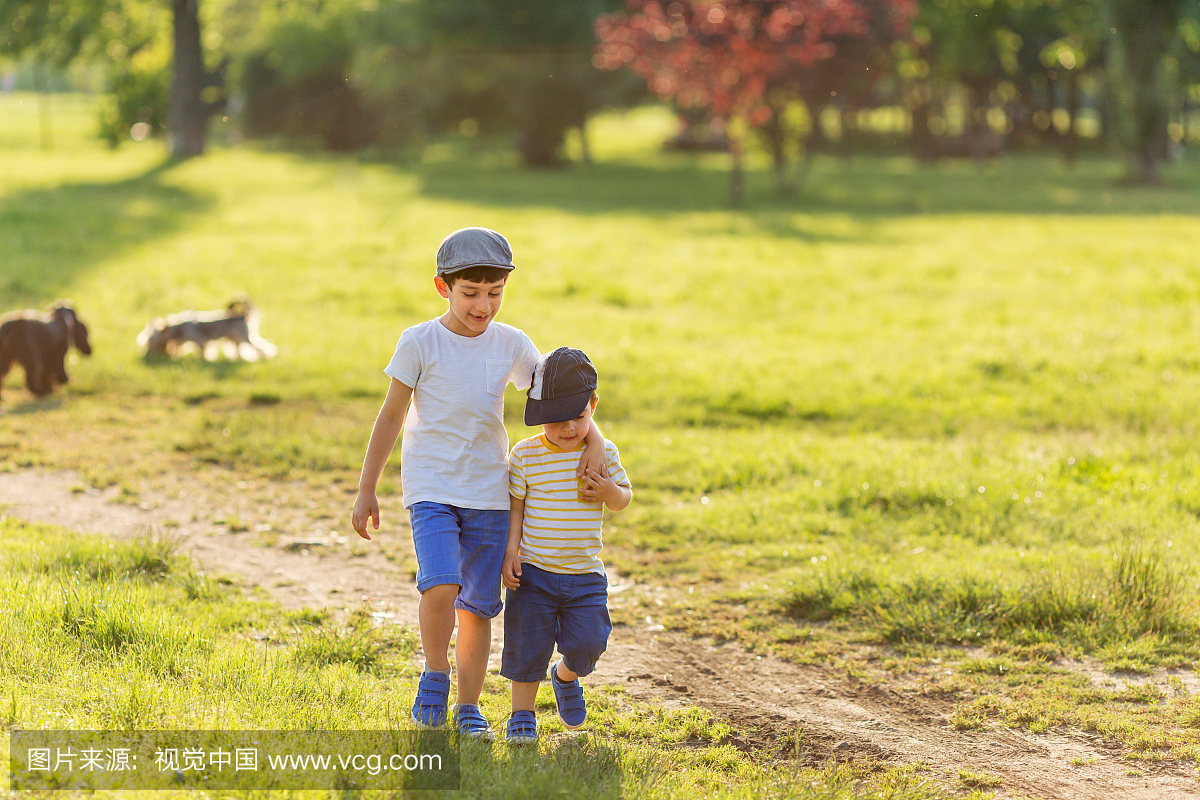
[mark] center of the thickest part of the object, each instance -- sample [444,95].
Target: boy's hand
[599,488]
[366,507]
[510,573]
[593,458]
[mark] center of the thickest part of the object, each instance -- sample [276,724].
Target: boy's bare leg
[436,615]
[471,655]
[564,675]
[524,696]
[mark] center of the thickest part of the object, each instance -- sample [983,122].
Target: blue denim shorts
[462,546]
[549,608]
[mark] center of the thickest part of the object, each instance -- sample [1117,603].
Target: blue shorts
[549,608]
[462,546]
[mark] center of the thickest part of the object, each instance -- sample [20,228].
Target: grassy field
[918,413]
[100,635]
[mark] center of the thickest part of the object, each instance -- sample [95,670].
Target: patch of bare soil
[844,719]
[776,704]
[308,567]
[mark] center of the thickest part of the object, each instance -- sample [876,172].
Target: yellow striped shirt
[560,533]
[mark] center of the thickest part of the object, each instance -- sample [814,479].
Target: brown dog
[232,330]
[39,343]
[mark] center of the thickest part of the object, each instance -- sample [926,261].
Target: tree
[135,42]
[1146,31]
[1059,44]
[725,58]
[957,42]
[343,73]
[54,33]
[857,74]
[58,32]
[190,110]
[1189,71]
[537,55]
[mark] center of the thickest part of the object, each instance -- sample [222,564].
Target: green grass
[915,408]
[129,648]
[1136,598]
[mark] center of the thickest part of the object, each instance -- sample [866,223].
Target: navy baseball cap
[473,247]
[563,382]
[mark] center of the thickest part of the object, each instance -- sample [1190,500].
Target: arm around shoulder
[593,456]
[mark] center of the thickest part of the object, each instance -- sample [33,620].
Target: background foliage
[957,78]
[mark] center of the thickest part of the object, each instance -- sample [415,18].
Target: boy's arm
[622,502]
[387,429]
[510,573]
[593,457]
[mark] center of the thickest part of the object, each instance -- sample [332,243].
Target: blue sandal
[433,694]
[522,728]
[470,722]
[572,708]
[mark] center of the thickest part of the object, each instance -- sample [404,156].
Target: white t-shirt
[455,444]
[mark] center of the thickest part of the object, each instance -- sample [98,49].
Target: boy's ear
[442,287]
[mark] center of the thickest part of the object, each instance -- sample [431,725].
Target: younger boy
[557,589]
[453,469]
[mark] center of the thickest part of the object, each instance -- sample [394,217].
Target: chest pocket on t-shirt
[497,370]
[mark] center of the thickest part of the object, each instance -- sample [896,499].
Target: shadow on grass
[203,376]
[195,364]
[29,405]
[49,235]
[864,186]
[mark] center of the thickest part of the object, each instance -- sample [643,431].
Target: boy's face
[473,306]
[570,434]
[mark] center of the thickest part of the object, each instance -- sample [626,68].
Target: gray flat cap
[473,247]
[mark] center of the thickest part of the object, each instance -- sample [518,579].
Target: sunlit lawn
[128,636]
[899,407]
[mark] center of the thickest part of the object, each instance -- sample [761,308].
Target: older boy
[557,589]
[453,468]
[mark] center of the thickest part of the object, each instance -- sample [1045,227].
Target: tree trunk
[974,116]
[1050,135]
[816,135]
[977,129]
[1110,107]
[188,119]
[1020,112]
[849,116]
[1071,137]
[924,148]
[549,105]
[737,176]
[774,131]
[584,147]
[1147,29]
[803,170]
[1187,119]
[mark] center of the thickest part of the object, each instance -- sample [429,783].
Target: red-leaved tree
[730,58]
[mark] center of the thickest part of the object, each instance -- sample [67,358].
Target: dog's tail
[144,337]
[257,342]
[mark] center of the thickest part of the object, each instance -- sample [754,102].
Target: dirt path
[836,716]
